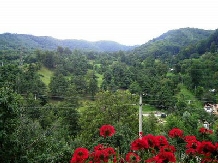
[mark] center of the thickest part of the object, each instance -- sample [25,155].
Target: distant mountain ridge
[171,42]
[185,35]
[31,42]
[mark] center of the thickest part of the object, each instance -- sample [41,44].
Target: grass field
[148,108]
[188,96]
[46,75]
[100,79]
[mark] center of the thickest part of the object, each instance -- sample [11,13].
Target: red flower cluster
[149,141]
[205,149]
[150,148]
[176,132]
[107,130]
[205,131]
[191,146]
[80,155]
[158,145]
[101,154]
[162,157]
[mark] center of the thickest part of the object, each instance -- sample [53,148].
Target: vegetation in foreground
[174,147]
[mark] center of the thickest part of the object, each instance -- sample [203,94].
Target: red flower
[99,147]
[216,146]
[132,157]
[162,140]
[176,132]
[164,157]
[168,148]
[205,131]
[102,154]
[107,130]
[80,155]
[206,148]
[152,140]
[149,141]
[209,160]
[190,138]
[191,147]
[110,151]
[140,143]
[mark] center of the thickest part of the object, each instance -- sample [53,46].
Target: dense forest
[54,100]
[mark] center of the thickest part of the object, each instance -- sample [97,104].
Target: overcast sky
[128,22]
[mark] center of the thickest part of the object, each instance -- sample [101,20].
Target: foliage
[9,122]
[58,86]
[114,108]
[175,146]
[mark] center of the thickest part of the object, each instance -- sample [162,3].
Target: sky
[128,22]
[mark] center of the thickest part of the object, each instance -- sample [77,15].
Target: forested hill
[172,42]
[10,41]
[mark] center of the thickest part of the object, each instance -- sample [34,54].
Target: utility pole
[140,116]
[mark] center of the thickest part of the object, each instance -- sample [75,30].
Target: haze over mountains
[14,41]
[172,39]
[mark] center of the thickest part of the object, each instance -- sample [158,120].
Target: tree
[109,108]
[58,86]
[43,143]
[9,121]
[77,63]
[30,82]
[50,59]
[69,113]
[121,75]
[195,73]
[10,75]
[134,87]
[152,125]
[67,51]
[213,47]
[80,84]
[60,49]
[93,85]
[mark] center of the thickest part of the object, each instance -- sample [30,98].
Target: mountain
[171,42]
[17,41]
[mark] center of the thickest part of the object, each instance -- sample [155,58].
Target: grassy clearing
[100,79]
[148,108]
[188,96]
[45,75]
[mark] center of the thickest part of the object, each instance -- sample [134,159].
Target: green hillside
[171,42]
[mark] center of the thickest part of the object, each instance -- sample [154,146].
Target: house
[211,108]
[208,108]
[215,109]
